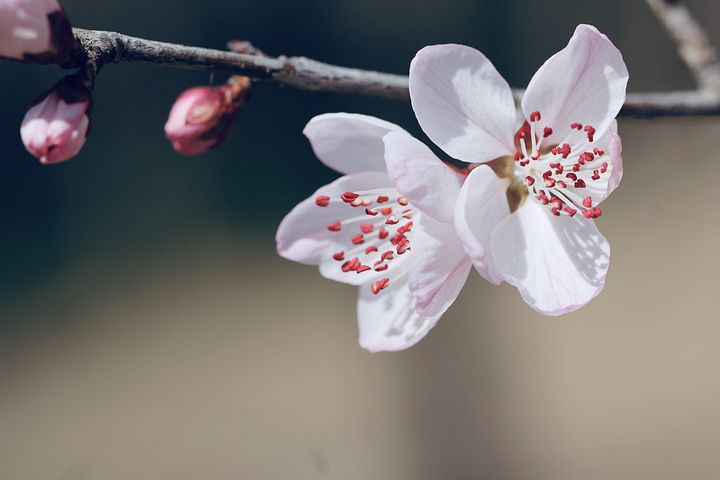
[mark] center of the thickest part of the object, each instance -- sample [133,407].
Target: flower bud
[55,127]
[35,30]
[201,117]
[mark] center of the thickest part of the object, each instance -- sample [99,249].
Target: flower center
[375,236]
[557,175]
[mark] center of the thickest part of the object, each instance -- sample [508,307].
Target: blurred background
[149,331]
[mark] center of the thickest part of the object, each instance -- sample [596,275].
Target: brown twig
[692,42]
[100,48]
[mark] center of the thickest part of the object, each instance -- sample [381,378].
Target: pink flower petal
[481,206]
[349,143]
[439,267]
[388,321]
[429,184]
[584,83]
[462,103]
[557,263]
[303,235]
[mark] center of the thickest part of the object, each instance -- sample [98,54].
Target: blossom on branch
[525,212]
[56,126]
[202,117]
[361,231]
[35,30]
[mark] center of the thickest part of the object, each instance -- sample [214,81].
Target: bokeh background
[149,331]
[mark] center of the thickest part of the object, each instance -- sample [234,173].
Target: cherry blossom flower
[55,127]
[525,212]
[37,30]
[359,230]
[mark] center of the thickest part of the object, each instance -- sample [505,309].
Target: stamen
[322,201]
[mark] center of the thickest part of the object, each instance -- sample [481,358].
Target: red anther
[370,212]
[576,126]
[580,183]
[380,285]
[348,197]
[596,212]
[382,235]
[322,201]
[570,211]
[555,211]
[407,214]
[543,198]
[392,220]
[535,116]
[550,182]
[362,268]
[519,156]
[366,227]
[387,255]
[557,202]
[339,256]
[561,184]
[595,175]
[604,167]
[564,150]
[529,181]
[358,239]
[366,202]
[590,132]
[598,152]
[402,247]
[554,164]
[585,157]
[358,202]
[370,250]
[536,155]
[571,176]
[383,198]
[587,213]
[381,267]
[402,201]
[547,173]
[335,227]
[555,150]
[559,170]
[524,163]
[576,167]
[398,238]
[386,211]
[587,202]
[547,131]
[350,265]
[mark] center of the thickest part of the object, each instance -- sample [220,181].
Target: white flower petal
[481,205]
[439,266]
[557,263]
[388,321]
[349,143]
[303,235]
[429,184]
[462,103]
[584,83]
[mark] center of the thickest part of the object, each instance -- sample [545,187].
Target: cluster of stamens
[378,233]
[554,176]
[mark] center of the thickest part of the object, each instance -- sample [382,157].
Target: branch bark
[99,48]
[693,44]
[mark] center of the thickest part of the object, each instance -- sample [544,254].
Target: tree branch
[692,42]
[98,48]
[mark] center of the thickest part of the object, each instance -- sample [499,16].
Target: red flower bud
[201,117]
[55,127]
[35,30]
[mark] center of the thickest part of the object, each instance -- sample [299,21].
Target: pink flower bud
[201,117]
[55,127]
[35,30]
